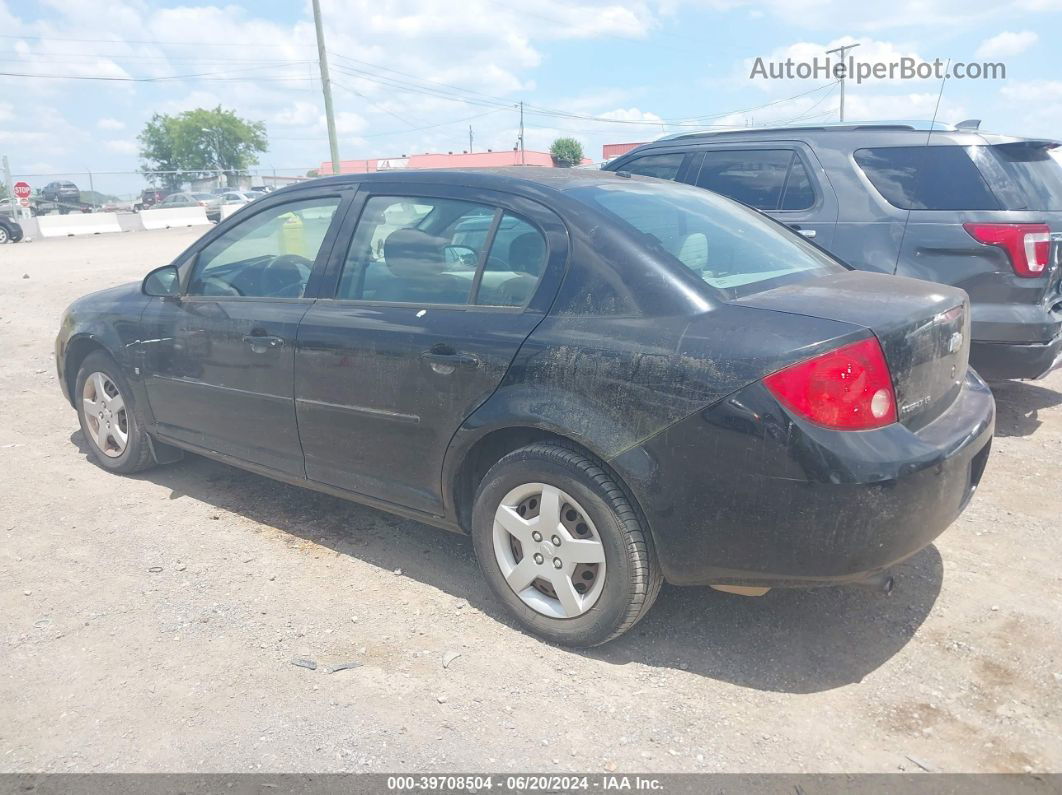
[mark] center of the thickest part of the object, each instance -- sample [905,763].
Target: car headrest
[414,254]
[527,253]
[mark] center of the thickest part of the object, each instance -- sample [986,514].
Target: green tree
[566,152]
[200,142]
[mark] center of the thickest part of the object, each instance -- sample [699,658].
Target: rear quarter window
[927,178]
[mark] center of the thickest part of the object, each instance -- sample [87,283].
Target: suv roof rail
[843,126]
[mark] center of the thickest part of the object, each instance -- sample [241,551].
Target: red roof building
[609,151]
[506,157]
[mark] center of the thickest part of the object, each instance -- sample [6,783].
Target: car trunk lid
[923,328]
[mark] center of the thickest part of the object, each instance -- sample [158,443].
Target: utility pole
[844,68]
[326,87]
[523,159]
[470,139]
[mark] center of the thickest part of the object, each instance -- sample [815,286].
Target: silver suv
[945,203]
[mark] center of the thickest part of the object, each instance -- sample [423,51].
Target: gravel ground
[150,623]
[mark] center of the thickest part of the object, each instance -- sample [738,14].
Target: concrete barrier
[173,216]
[77,224]
[229,209]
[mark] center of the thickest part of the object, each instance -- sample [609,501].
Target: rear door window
[927,178]
[767,179]
[665,166]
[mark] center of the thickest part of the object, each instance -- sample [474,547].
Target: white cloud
[122,146]
[1006,44]
[110,124]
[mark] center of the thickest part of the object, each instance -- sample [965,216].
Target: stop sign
[22,190]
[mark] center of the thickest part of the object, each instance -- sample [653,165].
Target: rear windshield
[927,178]
[1033,176]
[732,248]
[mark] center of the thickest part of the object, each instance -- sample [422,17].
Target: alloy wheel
[105,414]
[549,551]
[3,236]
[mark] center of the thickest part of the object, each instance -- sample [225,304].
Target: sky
[411,76]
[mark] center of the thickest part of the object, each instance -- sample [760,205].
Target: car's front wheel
[4,236]
[562,547]
[109,421]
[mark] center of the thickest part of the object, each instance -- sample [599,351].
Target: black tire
[5,235]
[137,454]
[632,579]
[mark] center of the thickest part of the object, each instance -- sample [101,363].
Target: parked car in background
[149,198]
[949,204]
[239,197]
[10,230]
[636,381]
[210,203]
[64,193]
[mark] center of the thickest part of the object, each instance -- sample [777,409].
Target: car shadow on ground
[1018,406]
[795,641]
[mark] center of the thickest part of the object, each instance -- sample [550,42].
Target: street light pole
[326,87]
[523,158]
[844,68]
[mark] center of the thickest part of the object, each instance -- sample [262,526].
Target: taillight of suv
[847,389]
[1027,245]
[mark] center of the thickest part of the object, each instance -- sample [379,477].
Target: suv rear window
[1032,174]
[927,178]
[732,248]
[767,179]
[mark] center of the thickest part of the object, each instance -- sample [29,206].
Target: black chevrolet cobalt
[608,381]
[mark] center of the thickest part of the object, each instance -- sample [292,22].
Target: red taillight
[849,389]
[1027,245]
[202,204]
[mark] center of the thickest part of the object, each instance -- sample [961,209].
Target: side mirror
[164,282]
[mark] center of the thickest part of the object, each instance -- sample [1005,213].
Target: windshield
[731,247]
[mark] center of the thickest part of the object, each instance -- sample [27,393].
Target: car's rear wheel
[562,547]
[109,420]
[4,236]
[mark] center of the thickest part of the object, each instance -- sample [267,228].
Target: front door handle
[260,343]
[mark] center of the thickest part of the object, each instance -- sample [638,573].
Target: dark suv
[61,192]
[948,204]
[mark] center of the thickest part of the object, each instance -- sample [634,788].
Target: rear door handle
[804,232]
[259,343]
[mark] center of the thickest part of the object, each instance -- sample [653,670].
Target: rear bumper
[744,494]
[999,361]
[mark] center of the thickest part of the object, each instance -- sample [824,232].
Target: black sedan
[608,381]
[10,230]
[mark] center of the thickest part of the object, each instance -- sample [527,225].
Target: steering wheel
[279,275]
[212,285]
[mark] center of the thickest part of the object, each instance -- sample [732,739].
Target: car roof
[509,178]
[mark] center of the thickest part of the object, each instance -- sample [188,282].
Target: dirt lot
[149,623]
